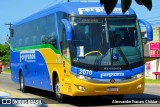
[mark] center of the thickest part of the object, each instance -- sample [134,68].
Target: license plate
[112,89]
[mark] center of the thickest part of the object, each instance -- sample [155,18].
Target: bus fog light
[81,88]
[139,75]
[139,86]
[82,77]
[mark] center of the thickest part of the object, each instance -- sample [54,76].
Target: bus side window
[49,39]
[65,46]
[53,40]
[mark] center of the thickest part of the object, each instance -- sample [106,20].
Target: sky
[13,10]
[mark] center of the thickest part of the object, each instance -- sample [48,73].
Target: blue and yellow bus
[76,49]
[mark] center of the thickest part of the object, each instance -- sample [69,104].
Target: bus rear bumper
[84,88]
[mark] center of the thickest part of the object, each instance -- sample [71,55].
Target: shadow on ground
[92,101]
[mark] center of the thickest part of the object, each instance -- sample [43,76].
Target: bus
[76,49]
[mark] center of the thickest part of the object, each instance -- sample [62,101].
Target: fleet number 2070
[85,72]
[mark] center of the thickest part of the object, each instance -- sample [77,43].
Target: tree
[109,5]
[4,53]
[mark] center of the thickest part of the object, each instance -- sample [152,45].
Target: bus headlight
[138,75]
[81,88]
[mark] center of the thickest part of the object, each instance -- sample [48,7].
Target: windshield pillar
[65,46]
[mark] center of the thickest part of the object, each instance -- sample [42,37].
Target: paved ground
[6,85]
[4,95]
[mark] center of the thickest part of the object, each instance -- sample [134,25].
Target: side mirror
[68,28]
[149,29]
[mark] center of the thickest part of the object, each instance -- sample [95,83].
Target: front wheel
[60,97]
[23,88]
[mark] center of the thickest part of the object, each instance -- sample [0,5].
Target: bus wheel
[23,88]
[60,97]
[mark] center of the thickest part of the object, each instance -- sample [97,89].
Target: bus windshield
[104,41]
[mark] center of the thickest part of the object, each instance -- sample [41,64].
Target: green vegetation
[7,71]
[4,54]
[125,4]
[151,81]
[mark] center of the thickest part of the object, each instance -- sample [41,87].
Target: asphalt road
[7,85]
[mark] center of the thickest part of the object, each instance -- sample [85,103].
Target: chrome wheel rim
[57,89]
[21,82]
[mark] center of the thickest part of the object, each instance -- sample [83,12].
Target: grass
[7,71]
[151,81]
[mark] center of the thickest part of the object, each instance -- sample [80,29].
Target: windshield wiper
[124,57]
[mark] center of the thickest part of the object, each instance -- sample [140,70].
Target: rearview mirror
[149,29]
[68,29]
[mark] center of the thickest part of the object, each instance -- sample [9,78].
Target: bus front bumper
[84,88]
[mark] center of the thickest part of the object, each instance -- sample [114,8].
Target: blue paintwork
[34,73]
[109,74]
[149,29]
[77,8]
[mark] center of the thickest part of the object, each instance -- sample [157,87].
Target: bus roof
[77,8]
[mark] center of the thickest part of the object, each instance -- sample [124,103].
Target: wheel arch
[54,76]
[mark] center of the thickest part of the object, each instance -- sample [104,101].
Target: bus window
[49,39]
[65,46]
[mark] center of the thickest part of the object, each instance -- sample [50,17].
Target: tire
[117,97]
[23,88]
[59,97]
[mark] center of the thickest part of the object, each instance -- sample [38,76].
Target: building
[152,63]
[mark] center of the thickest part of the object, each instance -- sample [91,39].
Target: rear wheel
[60,97]
[23,88]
